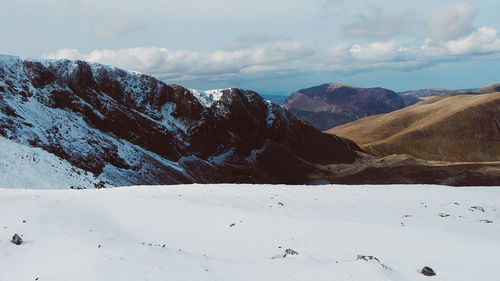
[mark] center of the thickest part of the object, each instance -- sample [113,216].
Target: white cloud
[181,64]
[452,21]
[279,58]
[381,51]
[482,40]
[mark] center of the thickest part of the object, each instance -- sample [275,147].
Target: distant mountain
[459,127]
[97,125]
[493,88]
[410,100]
[423,93]
[333,104]
[414,96]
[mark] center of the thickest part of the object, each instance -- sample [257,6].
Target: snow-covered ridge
[129,128]
[209,97]
[8,60]
[241,232]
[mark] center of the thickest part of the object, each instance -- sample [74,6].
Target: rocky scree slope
[126,128]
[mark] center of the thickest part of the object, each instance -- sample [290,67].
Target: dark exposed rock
[39,74]
[367,258]
[427,271]
[9,111]
[372,258]
[290,252]
[100,184]
[16,239]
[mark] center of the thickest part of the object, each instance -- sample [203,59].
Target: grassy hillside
[455,127]
[489,89]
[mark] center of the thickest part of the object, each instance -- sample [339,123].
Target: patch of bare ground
[406,169]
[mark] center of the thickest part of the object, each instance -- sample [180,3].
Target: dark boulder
[290,252]
[16,239]
[427,271]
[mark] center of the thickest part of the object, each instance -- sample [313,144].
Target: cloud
[103,29]
[181,64]
[452,21]
[382,51]
[379,25]
[285,58]
[483,40]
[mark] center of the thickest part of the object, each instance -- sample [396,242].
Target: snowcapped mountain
[108,125]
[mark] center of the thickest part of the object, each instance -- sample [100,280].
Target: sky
[270,46]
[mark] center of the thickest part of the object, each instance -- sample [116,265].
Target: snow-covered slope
[129,128]
[240,232]
[22,166]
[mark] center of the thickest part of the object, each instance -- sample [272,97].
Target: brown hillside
[493,88]
[406,169]
[455,127]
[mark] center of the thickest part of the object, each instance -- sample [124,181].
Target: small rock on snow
[427,271]
[477,208]
[16,239]
[290,252]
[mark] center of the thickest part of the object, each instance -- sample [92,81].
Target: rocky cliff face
[127,128]
[333,104]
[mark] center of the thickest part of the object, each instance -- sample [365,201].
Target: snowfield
[25,166]
[240,232]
